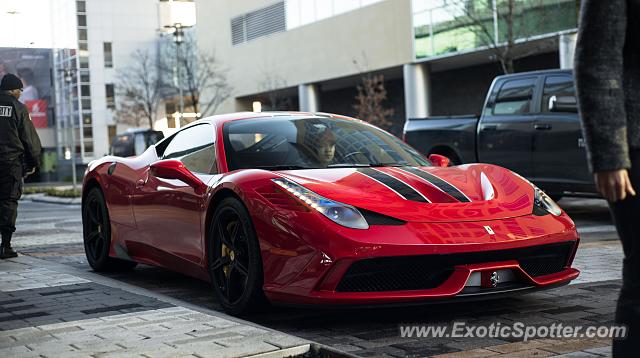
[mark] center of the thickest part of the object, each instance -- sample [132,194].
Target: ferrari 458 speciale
[312,208]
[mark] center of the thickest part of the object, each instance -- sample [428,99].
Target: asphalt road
[54,232]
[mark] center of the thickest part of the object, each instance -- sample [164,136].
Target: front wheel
[235,265]
[96,231]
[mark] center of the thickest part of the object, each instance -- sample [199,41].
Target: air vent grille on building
[258,23]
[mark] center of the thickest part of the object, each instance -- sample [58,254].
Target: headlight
[342,214]
[543,204]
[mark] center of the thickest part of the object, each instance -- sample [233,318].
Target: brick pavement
[590,300]
[46,311]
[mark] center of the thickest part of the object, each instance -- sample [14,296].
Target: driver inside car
[326,147]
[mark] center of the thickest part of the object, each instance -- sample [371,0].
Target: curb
[44,198]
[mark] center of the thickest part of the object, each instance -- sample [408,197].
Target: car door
[504,132]
[559,155]
[169,211]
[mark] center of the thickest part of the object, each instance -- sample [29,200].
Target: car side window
[515,97]
[559,86]
[195,148]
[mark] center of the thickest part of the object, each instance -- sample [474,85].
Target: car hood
[472,192]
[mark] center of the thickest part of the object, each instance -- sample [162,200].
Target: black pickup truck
[529,124]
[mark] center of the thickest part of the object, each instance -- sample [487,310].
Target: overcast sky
[37,23]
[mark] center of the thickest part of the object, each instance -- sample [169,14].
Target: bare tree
[271,85]
[203,77]
[371,94]
[369,107]
[138,89]
[482,16]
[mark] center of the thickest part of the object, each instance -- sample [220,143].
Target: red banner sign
[38,111]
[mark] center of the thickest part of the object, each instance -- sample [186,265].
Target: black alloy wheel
[235,265]
[96,229]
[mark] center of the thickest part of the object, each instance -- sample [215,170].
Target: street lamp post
[178,39]
[68,79]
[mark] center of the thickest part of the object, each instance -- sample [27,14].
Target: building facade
[86,75]
[435,55]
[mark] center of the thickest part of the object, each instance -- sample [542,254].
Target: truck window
[559,86]
[515,97]
[139,143]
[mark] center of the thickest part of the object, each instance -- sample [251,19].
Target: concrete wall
[377,36]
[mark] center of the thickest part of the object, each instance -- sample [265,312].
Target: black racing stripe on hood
[441,184]
[398,185]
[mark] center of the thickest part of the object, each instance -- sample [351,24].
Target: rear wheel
[235,265]
[96,230]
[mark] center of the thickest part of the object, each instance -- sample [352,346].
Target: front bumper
[454,251]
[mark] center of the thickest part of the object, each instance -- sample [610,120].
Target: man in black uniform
[19,156]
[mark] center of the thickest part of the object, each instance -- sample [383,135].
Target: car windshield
[281,143]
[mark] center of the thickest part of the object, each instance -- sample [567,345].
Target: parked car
[134,142]
[321,209]
[529,124]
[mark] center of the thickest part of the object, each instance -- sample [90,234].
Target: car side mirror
[563,104]
[439,160]
[175,169]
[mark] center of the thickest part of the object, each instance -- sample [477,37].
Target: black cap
[10,82]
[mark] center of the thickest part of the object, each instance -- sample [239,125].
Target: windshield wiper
[282,167]
[388,165]
[364,165]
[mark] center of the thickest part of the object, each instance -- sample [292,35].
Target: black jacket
[18,137]
[607,71]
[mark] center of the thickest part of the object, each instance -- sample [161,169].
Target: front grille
[430,271]
[546,264]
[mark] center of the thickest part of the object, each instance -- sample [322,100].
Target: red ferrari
[303,208]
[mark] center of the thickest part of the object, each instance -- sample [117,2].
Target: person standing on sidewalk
[607,72]
[19,156]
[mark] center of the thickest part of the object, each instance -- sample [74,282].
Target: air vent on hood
[374,218]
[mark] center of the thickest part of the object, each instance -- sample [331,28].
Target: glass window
[82,46]
[111,95]
[87,132]
[82,20]
[86,104]
[559,86]
[515,97]
[84,62]
[308,143]
[85,90]
[88,148]
[82,34]
[108,55]
[84,76]
[80,5]
[194,146]
[86,119]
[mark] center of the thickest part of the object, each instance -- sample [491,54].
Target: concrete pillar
[417,90]
[567,47]
[309,97]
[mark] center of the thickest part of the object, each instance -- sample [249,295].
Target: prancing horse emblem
[489,230]
[494,279]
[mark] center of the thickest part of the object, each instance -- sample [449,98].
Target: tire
[234,261]
[96,232]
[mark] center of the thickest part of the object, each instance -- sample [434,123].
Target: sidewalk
[50,310]
[52,304]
